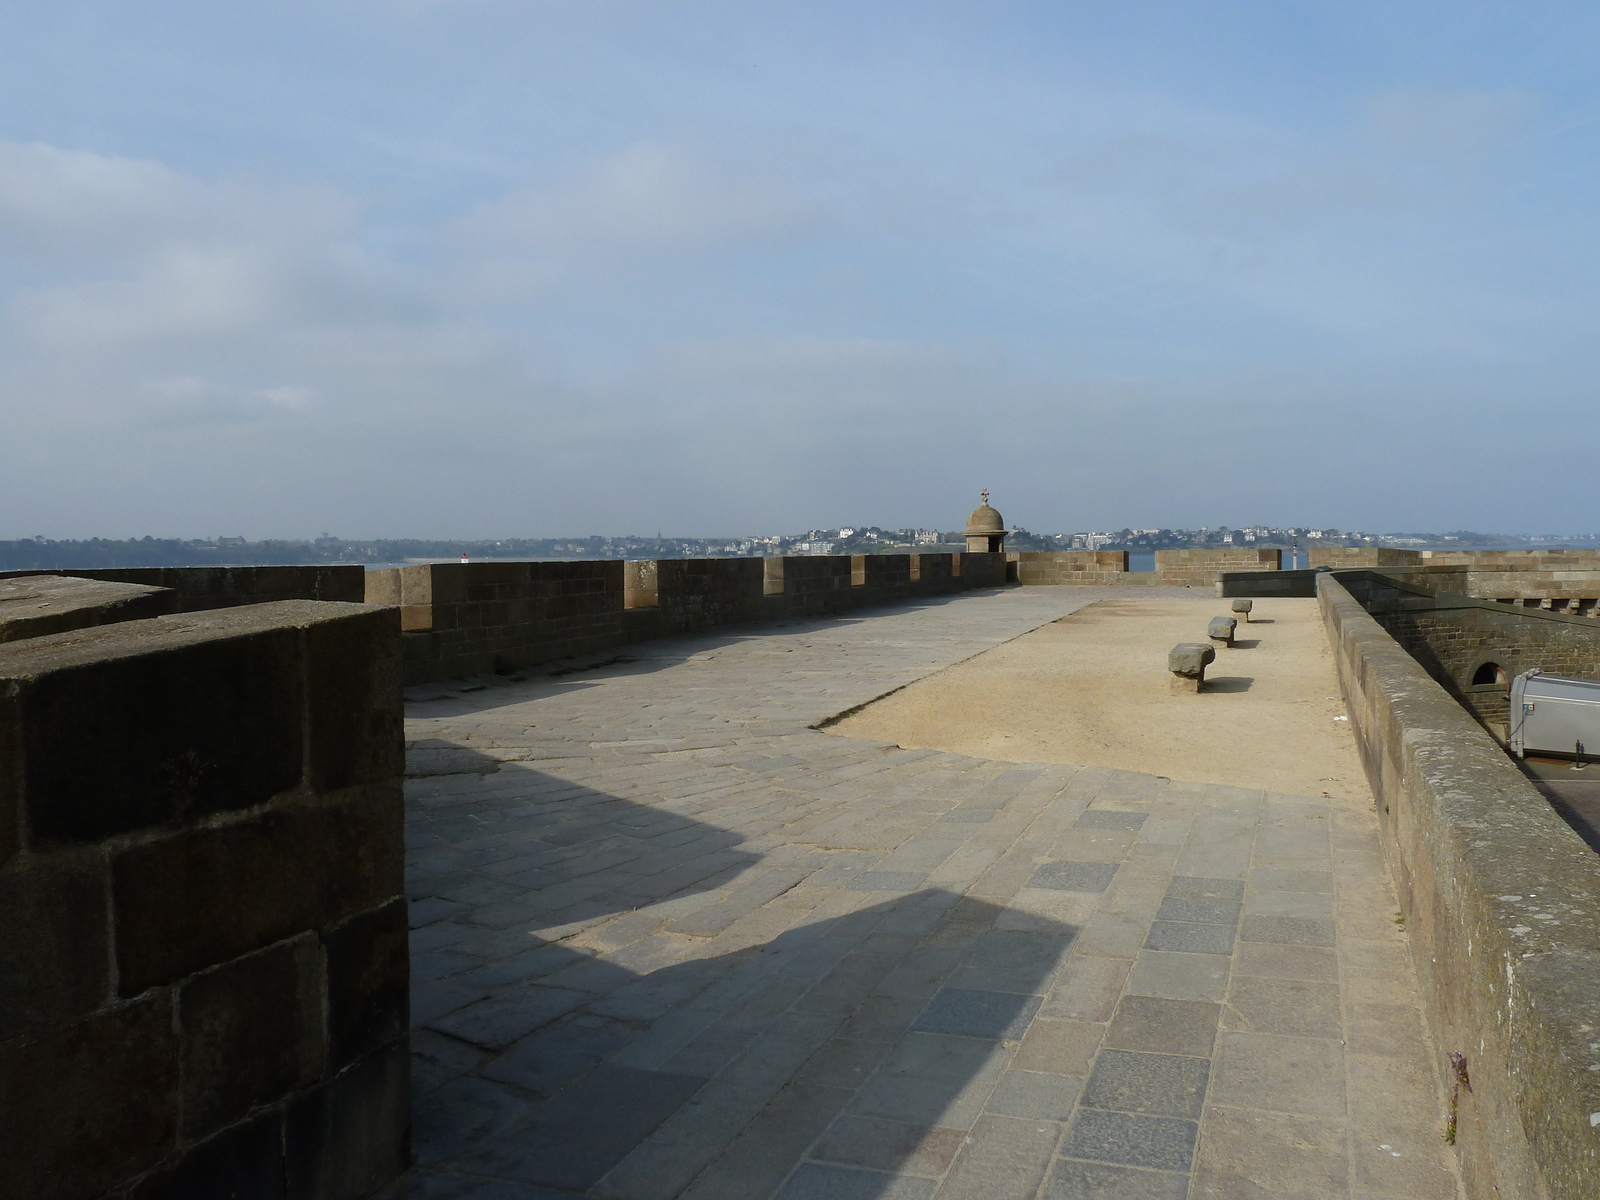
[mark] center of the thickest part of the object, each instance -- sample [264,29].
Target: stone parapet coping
[1502,901]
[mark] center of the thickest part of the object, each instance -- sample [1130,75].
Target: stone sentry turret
[986,530]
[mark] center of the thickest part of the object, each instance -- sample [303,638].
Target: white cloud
[647,202]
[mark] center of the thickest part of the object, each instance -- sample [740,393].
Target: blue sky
[525,269]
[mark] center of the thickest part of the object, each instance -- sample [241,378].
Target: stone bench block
[1244,606]
[1187,661]
[1221,630]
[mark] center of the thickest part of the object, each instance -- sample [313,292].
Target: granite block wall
[1479,858]
[1199,568]
[1073,567]
[203,955]
[464,619]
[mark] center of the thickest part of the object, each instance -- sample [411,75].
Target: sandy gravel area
[1091,688]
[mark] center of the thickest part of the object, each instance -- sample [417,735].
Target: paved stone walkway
[671,941]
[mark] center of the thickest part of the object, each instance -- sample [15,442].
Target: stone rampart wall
[203,954]
[1502,905]
[464,619]
[200,588]
[1199,568]
[1173,568]
[1348,557]
[1073,567]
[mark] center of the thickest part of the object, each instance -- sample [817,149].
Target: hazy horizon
[454,267]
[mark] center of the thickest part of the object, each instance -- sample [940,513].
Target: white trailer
[1551,714]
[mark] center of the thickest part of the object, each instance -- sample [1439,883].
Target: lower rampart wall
[1502,907]
[1456,637]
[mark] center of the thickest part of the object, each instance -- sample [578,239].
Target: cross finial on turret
[985,495]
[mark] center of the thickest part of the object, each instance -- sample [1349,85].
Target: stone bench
[1221,630]
[1244,606]
[1187,662]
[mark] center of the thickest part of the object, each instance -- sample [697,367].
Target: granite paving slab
[671,939]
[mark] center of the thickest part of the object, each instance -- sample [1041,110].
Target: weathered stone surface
[354,688]
[252,1031]
[54,960]
[349,1137]
[203,896]
[1221,630]
[368,982]
[1190,659]
[1243,606]
[241,1163]
[127,726]
[90,1104]
[35,605]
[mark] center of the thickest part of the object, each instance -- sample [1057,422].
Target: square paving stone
[1192,887]
[887,881]
[554,1056]
[889,1145]
[935,1056]
[1086,989]
[461,1113]
[1067,876]
[1287,879]
[1059,1047]
[1099,1181]
[1179,976]
[569,1144]
[965,1012]
[925,1100]
[969,816]
[1161,1143]
[1035,1095]
[1305,1076]
[1165,1085]
[1159,1026]
[1105,818]
[1289,1006]
[509,1017]
[1189,938]
[816,1181]
[1035,955]
[1287,931]
[1207,912]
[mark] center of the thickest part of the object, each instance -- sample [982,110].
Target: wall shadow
[1229,683]
[539,1066]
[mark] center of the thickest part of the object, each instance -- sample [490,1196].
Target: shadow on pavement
[870,1039]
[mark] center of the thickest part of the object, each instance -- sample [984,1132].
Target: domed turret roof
[984,520]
